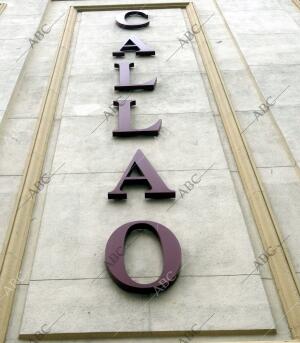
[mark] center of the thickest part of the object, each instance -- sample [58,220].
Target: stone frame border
[2,7]
[11,258]
[297,3]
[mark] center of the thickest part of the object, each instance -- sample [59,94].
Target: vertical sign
[147,175]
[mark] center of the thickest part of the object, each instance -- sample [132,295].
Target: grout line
[145,277]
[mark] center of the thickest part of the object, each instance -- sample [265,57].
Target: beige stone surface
[202,220]
[208,221]
[15,142]
[284,191]
[87,145]
[288,119]
[85,194]
[8,191]
[18,23]
[174,95]
[85,311]
[266,49]
[267,22]
[29,97]
[95,58]
[264,139]
[98,26]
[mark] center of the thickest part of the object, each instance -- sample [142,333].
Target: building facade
[149,171]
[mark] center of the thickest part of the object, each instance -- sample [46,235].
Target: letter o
[122,22]
[171,256]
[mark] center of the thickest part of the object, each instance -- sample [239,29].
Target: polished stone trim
[297,3]
[2,7]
